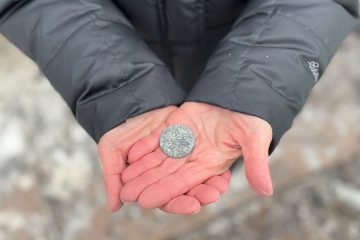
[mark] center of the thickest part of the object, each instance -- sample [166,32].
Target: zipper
[164,30]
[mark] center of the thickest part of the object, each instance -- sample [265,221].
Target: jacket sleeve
[93,57]
[274,55]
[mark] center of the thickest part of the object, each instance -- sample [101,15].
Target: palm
[220,137]
[216,148]
[114,146]
[114,149]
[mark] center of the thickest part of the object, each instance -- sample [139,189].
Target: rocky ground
[51,187]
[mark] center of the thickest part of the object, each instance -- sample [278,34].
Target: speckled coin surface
[177,141]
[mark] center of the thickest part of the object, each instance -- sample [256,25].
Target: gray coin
[177,141]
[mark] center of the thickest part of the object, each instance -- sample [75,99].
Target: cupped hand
[222,136]
[114,146]
[113,149]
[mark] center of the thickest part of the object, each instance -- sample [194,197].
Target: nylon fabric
[115,59]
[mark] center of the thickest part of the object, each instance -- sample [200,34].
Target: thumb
[112,165]
[256,161]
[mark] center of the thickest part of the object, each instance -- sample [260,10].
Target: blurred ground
[51,187]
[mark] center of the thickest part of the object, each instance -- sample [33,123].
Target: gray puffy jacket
[115,59]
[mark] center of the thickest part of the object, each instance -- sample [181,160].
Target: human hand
[113,150]
[222,136]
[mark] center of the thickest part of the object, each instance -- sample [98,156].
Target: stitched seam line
[305,27]
[111,90]
[93,18]
[106,47]
[246,53]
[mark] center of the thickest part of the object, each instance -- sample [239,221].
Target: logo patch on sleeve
[315,69]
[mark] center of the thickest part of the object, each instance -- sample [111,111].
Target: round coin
[177,141]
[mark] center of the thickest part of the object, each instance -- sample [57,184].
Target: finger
[219,182]
[113,186]
[132,189]
[176,184]
[190,203]
[227,175]
[148,162]
[216,186]
[205,194]
[146,145]
[256,163]
[112,164]
[182,205]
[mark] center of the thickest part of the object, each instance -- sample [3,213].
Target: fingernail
[264,186]
[112,209]
[268,192]
[265,191]
[196,211]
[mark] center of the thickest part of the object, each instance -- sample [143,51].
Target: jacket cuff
[253,98]
[153,90]
[94,58]
[267,65]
